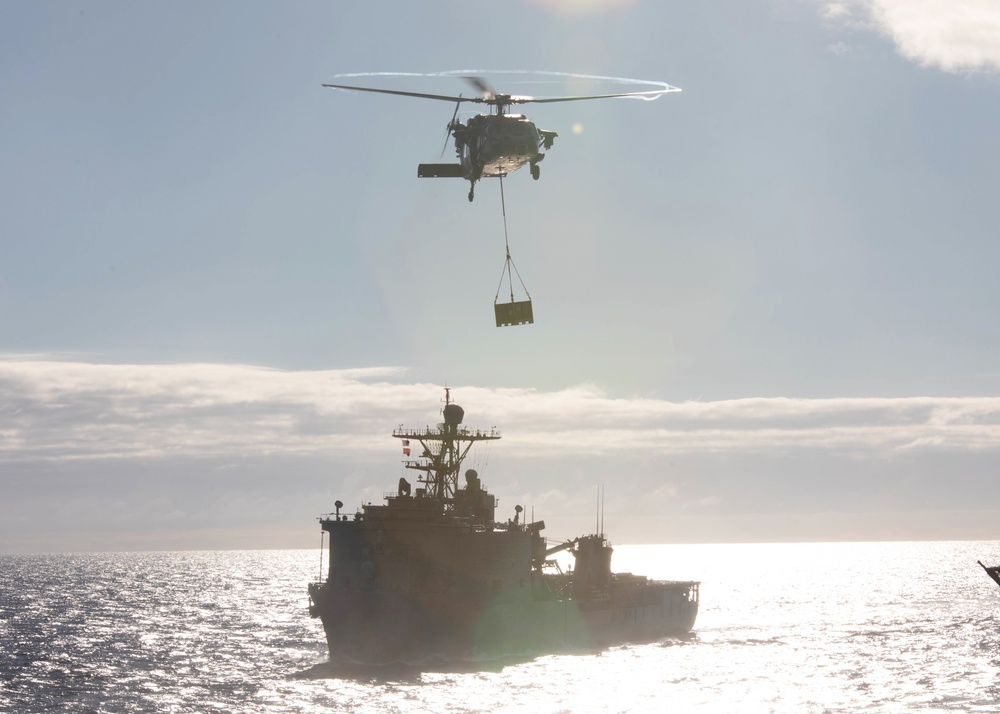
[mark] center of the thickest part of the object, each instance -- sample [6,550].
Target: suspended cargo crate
[513,313]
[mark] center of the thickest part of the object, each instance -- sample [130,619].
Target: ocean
[807,627]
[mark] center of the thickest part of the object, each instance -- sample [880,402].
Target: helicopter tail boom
[440,171]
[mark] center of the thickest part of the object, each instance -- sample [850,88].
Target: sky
[765,306]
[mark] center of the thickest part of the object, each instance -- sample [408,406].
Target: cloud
[62,410]
[952,35]
[835,11]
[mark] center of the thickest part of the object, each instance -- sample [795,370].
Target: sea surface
[829,627]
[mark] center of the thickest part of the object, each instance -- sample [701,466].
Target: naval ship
[432,575]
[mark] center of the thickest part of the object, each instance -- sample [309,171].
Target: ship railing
[462,432]
[419,495]
[687,588]
[334,518]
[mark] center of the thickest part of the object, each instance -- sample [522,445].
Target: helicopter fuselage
[492,145]
[496,145]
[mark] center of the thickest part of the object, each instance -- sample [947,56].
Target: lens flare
[578,8]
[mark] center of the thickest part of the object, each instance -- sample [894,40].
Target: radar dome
[453,414]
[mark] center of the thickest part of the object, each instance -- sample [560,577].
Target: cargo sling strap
[512,313]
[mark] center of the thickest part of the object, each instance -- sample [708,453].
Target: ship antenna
[602,511]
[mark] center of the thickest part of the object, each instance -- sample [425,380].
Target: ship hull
[373,627]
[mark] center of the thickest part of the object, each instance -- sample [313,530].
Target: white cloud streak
[952,35]
[54,410]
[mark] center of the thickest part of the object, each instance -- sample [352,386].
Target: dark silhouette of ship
[431,574]
[992,571]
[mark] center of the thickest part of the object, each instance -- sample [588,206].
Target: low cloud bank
[59,410]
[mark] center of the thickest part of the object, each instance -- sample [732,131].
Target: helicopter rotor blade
[484,88]
[420,95]
[651,94]
[493,99]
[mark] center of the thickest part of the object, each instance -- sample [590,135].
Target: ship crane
[561,547]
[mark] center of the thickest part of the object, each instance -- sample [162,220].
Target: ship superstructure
[432,573]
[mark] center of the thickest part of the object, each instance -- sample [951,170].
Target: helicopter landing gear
[535,171]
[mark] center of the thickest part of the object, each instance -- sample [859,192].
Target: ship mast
[442,450]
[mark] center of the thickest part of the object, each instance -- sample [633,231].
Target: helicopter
[498,143]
